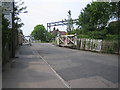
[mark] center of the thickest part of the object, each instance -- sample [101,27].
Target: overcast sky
[46,11]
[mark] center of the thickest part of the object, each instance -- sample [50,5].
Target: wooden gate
[66,40]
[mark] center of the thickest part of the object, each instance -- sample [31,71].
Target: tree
[6,37]
[94,18]
[39,33]
[17,24]
[10,36]
[6,32]
[18,8]
[113,28]
[50,36]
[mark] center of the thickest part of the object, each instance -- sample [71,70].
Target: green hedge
[112,37]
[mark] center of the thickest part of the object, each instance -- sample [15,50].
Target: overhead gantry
[60,23]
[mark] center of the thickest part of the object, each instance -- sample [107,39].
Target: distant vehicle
[27,40]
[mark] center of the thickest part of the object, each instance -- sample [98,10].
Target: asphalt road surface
[44,65]
[81,69]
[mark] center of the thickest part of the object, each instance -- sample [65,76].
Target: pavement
[44,65]
[29,71]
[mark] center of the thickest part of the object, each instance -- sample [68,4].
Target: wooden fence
[98,45]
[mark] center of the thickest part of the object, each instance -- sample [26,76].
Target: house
[56,31]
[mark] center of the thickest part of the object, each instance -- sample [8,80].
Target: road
[69,68]
[81,69]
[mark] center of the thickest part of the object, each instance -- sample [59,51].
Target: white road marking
[64,82]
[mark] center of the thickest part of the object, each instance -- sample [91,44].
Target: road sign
[7,11]
[7,7]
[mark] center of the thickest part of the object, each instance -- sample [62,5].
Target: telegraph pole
[13,33]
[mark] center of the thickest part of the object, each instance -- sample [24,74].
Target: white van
[27,40]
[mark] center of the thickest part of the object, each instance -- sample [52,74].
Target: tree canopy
[95,17]
[19,8]
[39,33]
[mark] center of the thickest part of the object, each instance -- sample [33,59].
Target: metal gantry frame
[60,23]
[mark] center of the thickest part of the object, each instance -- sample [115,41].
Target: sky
[46,11]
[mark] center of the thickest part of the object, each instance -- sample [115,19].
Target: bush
[98,34]
[111,37]
[82,36]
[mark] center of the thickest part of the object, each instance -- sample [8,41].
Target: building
[56,31]
[20,37]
